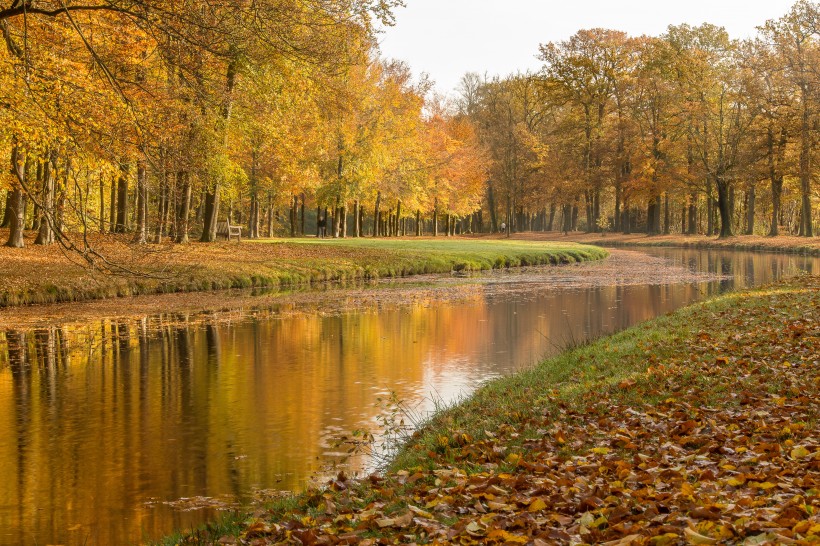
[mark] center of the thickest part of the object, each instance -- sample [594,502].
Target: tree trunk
[724,208]
[491,205]
[807,229]
[435,217]
[270,214]
[102,205]
[377,215]
[45,234]
[398,216]
[357,227]
[693,213]
[112,209]
[750,211]
[343,220]
[163,207]
[142,204]
[17,217]
[17,204]
[210,215]
[122,200]
[294,205]
[302,218]
[184,207]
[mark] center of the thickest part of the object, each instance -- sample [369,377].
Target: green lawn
[397,257]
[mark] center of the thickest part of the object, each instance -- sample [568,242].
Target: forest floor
[37,274]
[699,427]
[783,243]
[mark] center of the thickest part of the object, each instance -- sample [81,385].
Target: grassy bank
[809,246]
[48,275]
[699,427]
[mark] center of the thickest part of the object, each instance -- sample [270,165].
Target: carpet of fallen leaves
[697,428]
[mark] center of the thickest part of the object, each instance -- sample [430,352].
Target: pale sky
[446,38]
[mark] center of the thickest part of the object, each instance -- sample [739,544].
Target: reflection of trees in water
[21,393]
[167,407]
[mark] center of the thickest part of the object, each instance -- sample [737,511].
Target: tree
[794,38]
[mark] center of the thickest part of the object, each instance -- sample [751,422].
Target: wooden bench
[224,229]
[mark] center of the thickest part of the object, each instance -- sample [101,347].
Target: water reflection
[102,424]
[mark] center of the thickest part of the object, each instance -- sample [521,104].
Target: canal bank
[42,275]
[696,427]
[789,244]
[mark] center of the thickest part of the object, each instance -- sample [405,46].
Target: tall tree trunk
[418,223]
[184,207]
[750,211]
[270,214]
[210,215]
[693,213]
[142,204]
[509,222]
[377,215]
[807,229]
[162,208]
[212,197]
[435,217]
[710,206]
[724,208]
[17,217]
[357,227]
[302,217]
[122,199]
[102,204]
[17,204]
[294,204]
[566,217]
[7,211]
[45,234]
[552,217]
[491,205]
[112,209]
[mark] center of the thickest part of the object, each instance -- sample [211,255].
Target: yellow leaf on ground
[693,537]
[800,452]
[537,505]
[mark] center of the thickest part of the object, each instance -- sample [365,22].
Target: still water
[117,431]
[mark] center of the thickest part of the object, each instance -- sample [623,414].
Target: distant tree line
[689,132]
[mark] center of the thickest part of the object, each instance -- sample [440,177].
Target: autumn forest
[162,120]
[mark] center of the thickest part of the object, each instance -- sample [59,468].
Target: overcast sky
[446,38]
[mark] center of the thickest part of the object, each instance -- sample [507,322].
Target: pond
[118,430]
